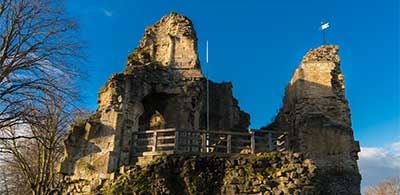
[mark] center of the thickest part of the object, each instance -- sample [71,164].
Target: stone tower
[161,87]
[317,116]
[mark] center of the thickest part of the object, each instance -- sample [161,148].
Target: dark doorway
[163,103]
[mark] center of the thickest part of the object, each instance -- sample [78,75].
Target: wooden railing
[173,141]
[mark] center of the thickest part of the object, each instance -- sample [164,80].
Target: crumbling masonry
[162,76]
[316,114]
[163,87]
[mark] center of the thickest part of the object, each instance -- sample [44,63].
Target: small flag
[324,25]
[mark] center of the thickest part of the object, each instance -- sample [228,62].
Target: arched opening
[161,105]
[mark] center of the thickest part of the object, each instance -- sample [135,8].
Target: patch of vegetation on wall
[269,173]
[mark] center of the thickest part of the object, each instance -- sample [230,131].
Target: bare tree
[387,187]
[11,182]
[4,181]
[38,48]
[35,160]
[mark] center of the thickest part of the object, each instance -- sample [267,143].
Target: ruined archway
[164,106]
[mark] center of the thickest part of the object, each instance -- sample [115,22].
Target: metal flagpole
[207,99]
[208,95]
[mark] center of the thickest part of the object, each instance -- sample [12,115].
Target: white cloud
[107,13]
[396,147]
[379,163]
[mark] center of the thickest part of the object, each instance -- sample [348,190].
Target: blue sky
[257,45]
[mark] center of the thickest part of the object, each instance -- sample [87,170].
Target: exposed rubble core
[316,114]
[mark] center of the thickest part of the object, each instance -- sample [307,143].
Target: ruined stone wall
[171,42]
[264,173]
[163,79]
[317,116]
[225,113]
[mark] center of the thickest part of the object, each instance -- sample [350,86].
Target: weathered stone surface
[317,116]
[161,87]
[171,42]
[241,174]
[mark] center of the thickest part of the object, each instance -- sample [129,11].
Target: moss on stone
[89,167]
[240,174]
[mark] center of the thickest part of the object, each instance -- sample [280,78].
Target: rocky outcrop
[264,173]
[316,114]
[161,87]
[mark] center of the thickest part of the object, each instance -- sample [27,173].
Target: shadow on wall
[83,142]
[225,113]
[317,118]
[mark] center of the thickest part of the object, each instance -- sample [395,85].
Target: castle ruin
[162,92]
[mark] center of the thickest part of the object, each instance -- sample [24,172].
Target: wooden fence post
[190,134]
[187,141]
[134,140]
[204,143]
[155,141]
[176,141]
[287,141]
[253,143]
[229,144]
[270,146]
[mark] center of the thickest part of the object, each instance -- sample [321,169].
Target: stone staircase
[146,158]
